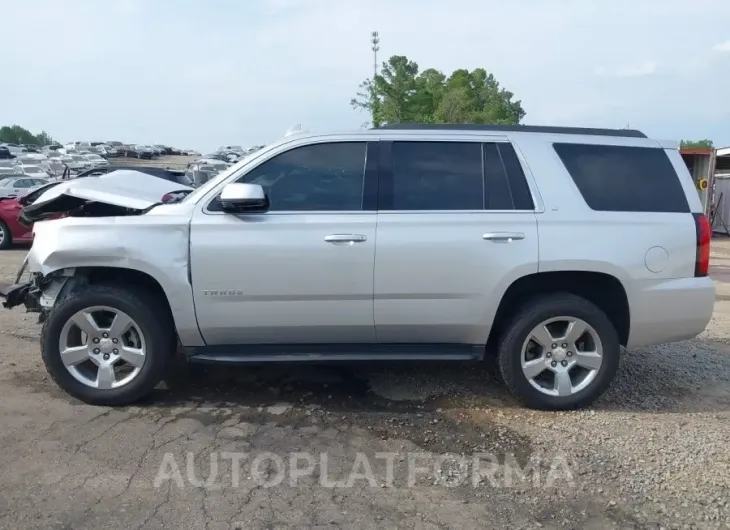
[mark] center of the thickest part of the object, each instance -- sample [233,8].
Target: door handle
[503,236]
[345,238]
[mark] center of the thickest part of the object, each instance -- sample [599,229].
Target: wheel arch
[182,314]
[604,290]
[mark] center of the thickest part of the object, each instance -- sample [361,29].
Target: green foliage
[698,144]
[16,134]
[402,94]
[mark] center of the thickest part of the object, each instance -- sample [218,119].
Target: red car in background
[11,231]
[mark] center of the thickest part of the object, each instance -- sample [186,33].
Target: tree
[698,144]
[15,134]
[402,94]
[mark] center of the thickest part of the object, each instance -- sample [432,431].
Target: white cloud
[199,76]
[722,47]
[633,70]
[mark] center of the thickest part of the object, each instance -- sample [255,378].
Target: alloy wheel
[102,347]
[561,356]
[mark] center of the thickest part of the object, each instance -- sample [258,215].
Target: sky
[198,74]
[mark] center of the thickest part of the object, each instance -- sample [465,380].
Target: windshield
[78,158]
[94,157]
[199,192]
[4,182]
[32,169]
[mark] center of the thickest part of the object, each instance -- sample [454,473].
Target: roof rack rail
[626,133]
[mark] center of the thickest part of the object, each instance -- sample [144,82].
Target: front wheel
[559,352]
[107,345]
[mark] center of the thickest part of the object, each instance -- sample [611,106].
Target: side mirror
[243,198]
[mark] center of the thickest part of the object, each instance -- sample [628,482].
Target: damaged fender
[157,245]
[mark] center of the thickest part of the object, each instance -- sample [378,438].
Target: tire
[6,238]
[520,328]
[148,314]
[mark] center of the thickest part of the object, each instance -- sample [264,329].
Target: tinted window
[437,176]
[624,179]
[319,177]
[505,185]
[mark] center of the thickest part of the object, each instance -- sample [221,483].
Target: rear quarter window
[624,179]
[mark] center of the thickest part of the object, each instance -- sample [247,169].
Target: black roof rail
[626,133]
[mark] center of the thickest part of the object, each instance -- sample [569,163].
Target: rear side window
[437,176]
[624,179]
[453,176]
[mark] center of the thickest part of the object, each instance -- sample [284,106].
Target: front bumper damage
[24,293]
[21,292]
[36,292]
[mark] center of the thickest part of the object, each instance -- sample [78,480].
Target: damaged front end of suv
[86,225]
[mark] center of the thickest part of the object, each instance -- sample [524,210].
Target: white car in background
[75,163]
[95,160]
[212,163]
[80,161]
[54,167]
[30,158]
[33,171]
[19,185]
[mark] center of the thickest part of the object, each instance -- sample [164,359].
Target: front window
[318,177]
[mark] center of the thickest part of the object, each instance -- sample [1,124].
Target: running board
[261,353]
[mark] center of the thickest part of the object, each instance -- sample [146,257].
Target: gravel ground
[651,454]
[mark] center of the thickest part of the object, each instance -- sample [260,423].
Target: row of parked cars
[116,149]
[208,166]
[48,165]
[103,149]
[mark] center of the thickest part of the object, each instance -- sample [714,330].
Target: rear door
[456,225]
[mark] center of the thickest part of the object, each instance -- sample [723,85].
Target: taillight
[704,233]
[167,197]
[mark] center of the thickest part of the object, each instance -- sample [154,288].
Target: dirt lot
[652,454]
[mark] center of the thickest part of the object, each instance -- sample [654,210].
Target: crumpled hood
[127,192]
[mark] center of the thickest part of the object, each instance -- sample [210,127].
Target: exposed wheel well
[127,277]
[604,290]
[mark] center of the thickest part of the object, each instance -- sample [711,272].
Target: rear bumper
[669,310]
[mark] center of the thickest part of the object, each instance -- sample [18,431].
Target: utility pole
[375,41]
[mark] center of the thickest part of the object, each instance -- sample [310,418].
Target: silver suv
[548,247]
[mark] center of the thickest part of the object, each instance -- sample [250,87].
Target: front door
[300,273]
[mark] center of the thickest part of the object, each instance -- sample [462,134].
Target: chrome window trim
[372,136]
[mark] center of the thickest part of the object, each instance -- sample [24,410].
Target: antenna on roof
[294,129]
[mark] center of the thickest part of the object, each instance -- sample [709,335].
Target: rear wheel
[107,345]
[6,238]
[559,352]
